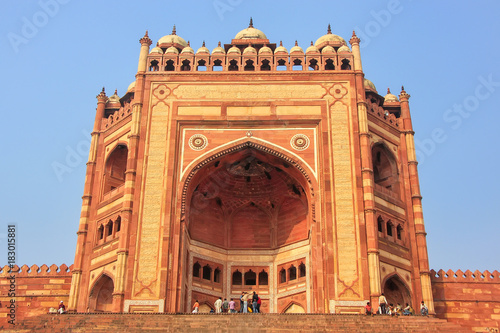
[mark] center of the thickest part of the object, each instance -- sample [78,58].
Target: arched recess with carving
[396,290]
[385,170]
[248,180]
[101,294]
[115,167]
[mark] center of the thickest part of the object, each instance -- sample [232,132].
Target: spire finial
[145,39]
[251,23]
[312,44]
[402,88]
[296,44]
[281,43]
[218,44]
[146,34]
[102,96]
[388,90]
[103,91]
[329,31]
[157,44]
[174,31]
[203,45]
[116,91]
[189,43]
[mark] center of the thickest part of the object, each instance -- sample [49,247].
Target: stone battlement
[35,270]
[467,276]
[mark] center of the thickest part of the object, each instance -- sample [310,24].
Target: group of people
[249,303]
[387,308]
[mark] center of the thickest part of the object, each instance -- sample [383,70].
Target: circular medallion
[299,142]
[198,142]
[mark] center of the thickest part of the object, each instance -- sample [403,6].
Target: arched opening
[396,291]
[329,65]
[281,65]
[196,270]
[389,228]
[385,173]
[250,278]
[217,275]
[217,67]
[294,308]
[292,273]
[346,65]
[380,224]
[297,65]
[237,278]
[118,224]
[186,65]
[170,66]
[153,66]
[202,67]
[109,229]
[263,278]
[265,65]
[207,272]
[302,270]
[282,275]
[114,170]
[233,65]
[313,65]
[101,295]
[249,65]
[399,232]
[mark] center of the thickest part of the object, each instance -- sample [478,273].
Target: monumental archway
[244,209]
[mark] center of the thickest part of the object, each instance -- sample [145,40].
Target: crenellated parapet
[36,271]
[467,276]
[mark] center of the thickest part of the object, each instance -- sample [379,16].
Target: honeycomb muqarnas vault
[255,168]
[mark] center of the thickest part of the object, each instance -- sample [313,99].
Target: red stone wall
[471,299]
[37,289]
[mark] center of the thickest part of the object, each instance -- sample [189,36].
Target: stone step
[135,323]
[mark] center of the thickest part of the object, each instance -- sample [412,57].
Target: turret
[145,43]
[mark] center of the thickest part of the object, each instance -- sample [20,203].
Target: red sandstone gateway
[250,168]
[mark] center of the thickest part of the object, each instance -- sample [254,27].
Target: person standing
[218,305]
[232,306]
[225,305]
[382,302]
[196,307]
[424,311]
[259,302]
[241,301]
[255,298]
[245,302]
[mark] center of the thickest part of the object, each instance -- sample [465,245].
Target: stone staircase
[143,323]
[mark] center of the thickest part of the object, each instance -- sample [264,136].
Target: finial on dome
[218,44]
[281,43]
[146,34]
[329,31]
[189,44]
[174,31]
[402,88]
[251,23]
[116,91]
[388,90]
[203,45]
[354,34]
[312,44]
[103,91]
[296,44]
[157,44]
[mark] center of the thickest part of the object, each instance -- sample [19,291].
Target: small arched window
[281,65]
[114,170]
[217,275]
[313,65]
[153,67]
[207,272]
[399,231]
[196,269]
[250,278]
[263,279]
[389,228]
[109,228]
[329,65]
[217,67]
[297,65]
[380,224]
[201,66]
[346,65]
[292,273]
[385,172]
[302,270]
[186,65]
[282,275]
[265,65]
[233,65]
[170,66]
[118,223]
[249,66]
[100,232]
[237,278]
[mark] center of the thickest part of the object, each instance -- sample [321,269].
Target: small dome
[203,49]
[156,50]
[328,49]
[188,49]
[172,39]
[249,50]
[265,49]
[312,48]
[344,48]
[172,50]
[330,39]
[234,50]
[114,99]
[219,50]
[281,48]
[131,87]
[250,33]
[296,49]
[390,97]
[369,85]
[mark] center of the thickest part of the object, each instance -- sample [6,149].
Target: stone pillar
[143,56]
[416,199]
[369,204]
[87,200]
[354,41]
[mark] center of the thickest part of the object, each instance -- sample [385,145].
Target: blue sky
[56,55]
